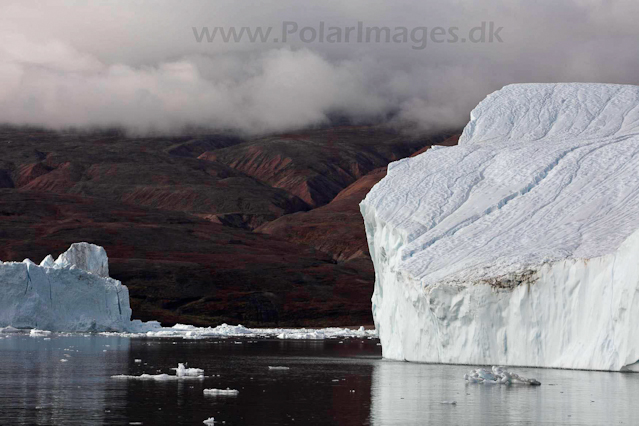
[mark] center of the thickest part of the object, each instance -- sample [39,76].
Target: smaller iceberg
[72,293]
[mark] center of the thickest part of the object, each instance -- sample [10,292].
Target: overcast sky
[137,64]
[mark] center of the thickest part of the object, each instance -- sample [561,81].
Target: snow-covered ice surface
[520,245]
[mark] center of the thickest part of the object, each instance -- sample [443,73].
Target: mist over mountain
[138,65]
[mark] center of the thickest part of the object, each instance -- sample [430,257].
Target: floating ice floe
[275,367]
[39,333]
[181,373]
[209,421]
[497,376]
[221,392]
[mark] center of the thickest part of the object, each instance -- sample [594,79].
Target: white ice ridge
[519,246]
[72,293]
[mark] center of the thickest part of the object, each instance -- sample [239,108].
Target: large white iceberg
[72,293]
[519,246]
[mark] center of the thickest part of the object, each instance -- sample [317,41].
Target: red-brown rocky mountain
[317,227]
[316,165]
[176,216]
[336,228]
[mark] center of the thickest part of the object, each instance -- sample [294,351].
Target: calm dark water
[328,383]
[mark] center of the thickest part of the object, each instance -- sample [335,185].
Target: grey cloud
[136,63]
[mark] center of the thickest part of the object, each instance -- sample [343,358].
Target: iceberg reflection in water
[59,380]
[412,394]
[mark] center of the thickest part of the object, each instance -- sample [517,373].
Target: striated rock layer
[318,226]
[519,246]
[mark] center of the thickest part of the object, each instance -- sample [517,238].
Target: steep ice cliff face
[72,293]
[520,246]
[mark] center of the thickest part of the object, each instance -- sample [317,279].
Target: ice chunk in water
[183,371]
[498,375]
[221,392]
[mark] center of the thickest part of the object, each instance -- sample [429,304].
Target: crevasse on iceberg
[72,293]
[519,246]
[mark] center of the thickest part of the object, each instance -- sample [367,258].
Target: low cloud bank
[139,65]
